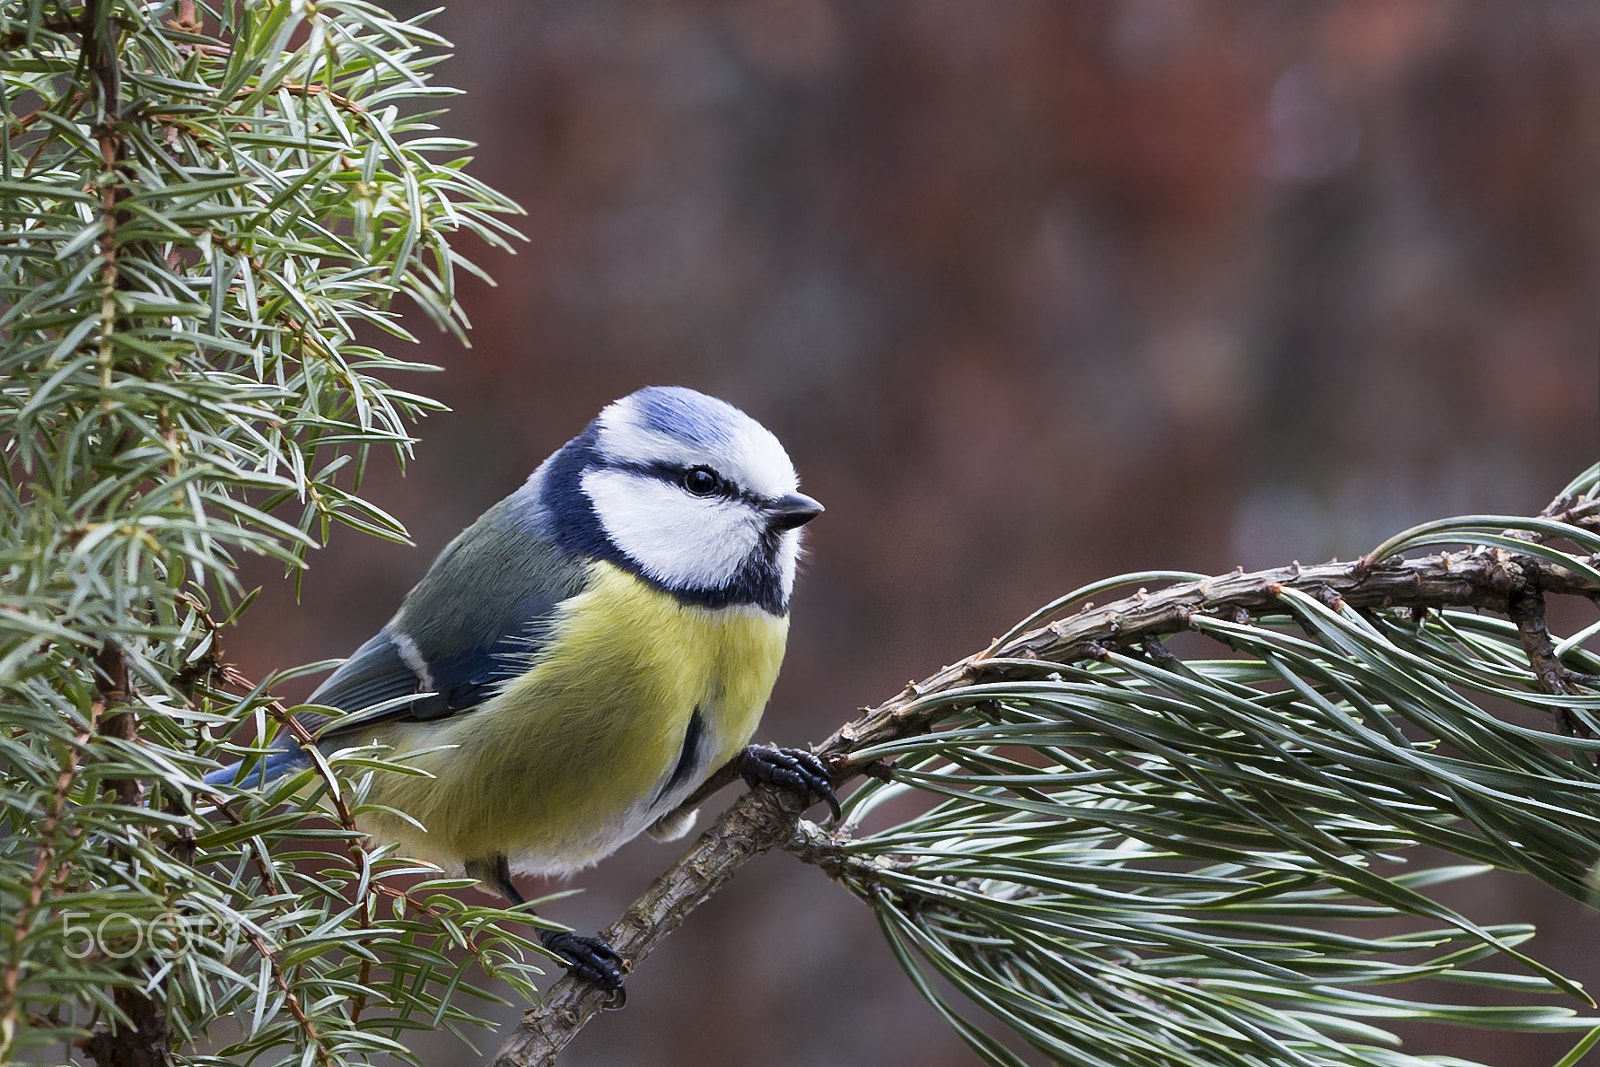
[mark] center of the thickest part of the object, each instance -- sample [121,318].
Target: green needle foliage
[207,214]
[1137,858]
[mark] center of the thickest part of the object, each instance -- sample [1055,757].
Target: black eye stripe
[675,473]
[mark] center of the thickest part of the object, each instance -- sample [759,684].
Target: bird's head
[686,491]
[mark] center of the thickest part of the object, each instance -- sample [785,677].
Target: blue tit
[583,656]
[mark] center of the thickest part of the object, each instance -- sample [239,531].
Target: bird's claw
[794,769]
[590,959]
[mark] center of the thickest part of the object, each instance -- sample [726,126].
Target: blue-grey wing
[392,679]
[478,618]
[375,673]
[373,684]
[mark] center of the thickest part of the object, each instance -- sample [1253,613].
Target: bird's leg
[794,769]
[590,958]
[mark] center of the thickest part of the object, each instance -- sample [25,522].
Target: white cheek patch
[680,540]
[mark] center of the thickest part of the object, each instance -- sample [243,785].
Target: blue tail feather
[265,770]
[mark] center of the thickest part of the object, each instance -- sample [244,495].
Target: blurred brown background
[1034,292]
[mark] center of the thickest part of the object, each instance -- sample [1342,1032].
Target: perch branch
[755,823]
[758,821]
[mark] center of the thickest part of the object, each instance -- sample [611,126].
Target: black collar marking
[576,528]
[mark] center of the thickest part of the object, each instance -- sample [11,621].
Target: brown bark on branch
[755,823]
[1486,578]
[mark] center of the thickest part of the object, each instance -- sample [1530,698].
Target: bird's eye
[701,481]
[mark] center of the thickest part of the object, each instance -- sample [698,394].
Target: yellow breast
[567,762]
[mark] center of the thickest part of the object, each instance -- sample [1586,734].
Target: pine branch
[1493,580]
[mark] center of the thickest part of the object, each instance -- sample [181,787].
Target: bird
[582,657]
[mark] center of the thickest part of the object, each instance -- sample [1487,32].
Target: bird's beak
[791,511]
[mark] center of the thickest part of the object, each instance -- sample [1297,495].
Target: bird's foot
[590,959]
[794,769]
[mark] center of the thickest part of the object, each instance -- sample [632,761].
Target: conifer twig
[757,822]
